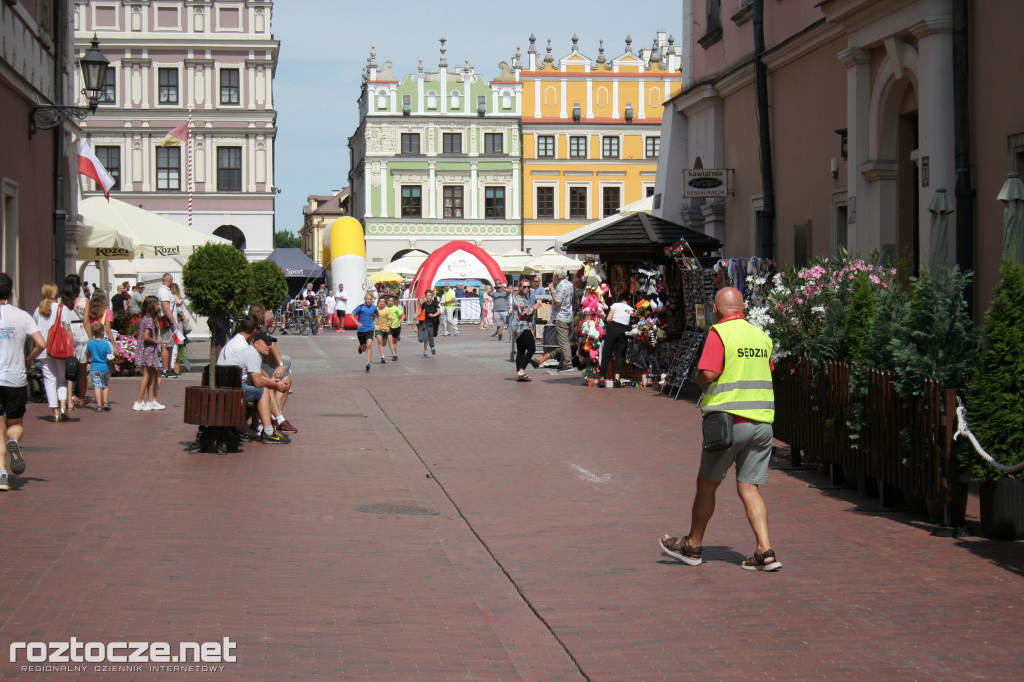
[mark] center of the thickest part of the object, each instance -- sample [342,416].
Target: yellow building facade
[591,133]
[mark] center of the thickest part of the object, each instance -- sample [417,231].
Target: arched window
[233,234]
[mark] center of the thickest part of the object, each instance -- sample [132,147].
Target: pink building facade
[861,113]
[214,57]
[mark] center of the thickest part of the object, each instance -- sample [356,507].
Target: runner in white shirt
[15,327]
[340,306]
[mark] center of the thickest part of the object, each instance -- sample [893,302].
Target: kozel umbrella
[549,261]
[513,262]
[385,277]
[152,235]
[407,264]
[1012,195]
[938,250]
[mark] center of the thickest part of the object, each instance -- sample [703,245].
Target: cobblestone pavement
[541,563]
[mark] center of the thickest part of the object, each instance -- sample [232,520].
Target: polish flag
[176,136]
[90,167]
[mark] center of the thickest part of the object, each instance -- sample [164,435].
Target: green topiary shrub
[995,399]
[218,282]
[269,287]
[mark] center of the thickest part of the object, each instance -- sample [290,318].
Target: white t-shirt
[44,323]
[15,326]
[239,353]
[164,294]
[340,300]
[621,312]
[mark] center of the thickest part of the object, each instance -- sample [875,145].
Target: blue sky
[325,43]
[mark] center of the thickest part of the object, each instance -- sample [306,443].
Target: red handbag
[58,342]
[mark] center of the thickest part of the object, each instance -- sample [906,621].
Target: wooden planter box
[1002,509]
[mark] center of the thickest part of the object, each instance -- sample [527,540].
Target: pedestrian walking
[522,330]
[424,328]
[72,299]
[50,312]
[486,308]
[167,323]
[735,371]
[16,327]
[148,357]
[615,341]
[501,298]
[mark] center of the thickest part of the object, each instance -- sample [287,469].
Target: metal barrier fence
[906,446]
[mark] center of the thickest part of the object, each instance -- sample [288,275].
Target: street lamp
[94,69]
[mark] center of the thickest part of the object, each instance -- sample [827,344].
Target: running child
[100,353]
[397,317]
[365,315]
[383,332]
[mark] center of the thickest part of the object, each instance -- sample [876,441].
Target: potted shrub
[218,281]
[995,403]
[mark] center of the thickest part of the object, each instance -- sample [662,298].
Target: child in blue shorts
[100,353]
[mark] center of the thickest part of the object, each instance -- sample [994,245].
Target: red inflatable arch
[456,260]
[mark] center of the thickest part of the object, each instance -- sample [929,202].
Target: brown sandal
[679,549]
[765,561]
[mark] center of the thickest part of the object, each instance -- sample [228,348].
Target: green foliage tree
[269,287]
[859,314]
[287,240]
[995,399]
[217,281]
[940,339]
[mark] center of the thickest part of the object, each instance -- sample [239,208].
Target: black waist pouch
[717,428]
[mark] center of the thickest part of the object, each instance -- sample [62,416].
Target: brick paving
[542,563]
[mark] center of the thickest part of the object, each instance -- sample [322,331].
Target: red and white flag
[90,167]
[176,136]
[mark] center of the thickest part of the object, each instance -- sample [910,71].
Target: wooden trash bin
[206,406]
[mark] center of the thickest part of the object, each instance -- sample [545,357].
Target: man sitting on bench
[245,349]
[275,366]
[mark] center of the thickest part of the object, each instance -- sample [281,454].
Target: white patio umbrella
[938,250]
[549,261]
[1012,196]
[407,264]
[97,242]
[513,262]
[152,235]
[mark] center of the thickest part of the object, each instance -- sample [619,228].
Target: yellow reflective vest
[745,386]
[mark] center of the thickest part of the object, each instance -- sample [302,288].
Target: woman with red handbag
[49,314]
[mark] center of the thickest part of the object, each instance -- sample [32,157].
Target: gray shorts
[751,450]
[166,334]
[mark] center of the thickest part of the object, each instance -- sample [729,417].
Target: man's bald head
[728,301]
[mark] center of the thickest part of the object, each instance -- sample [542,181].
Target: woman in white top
[340,306]
[73,300]
[45,317]
[178,310]
[616,326]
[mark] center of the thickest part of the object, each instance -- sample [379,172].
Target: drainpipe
[60,213]
[964,192]
[763,131]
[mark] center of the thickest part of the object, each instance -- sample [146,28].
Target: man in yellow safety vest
[735,371]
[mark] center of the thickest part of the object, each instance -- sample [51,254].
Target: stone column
[862,231]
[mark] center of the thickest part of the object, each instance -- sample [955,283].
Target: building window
[493,143]
[168,92]
[229,89]
[229,169]
[578,147]
[610,147]
[546,146]
[109,94]
[406,104]
[649,191]
[452,196]
[410,143]
[494,202]
[545,202]
[652,147]
[577,202]
[431,99]
[168,168]
[110,157]
[456,101]
[412,201]
[610,201]
[714,24]
[481,104]
[452,143]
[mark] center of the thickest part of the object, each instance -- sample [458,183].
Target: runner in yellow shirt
[397,317]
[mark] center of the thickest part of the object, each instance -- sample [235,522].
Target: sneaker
[3,481]
[360,350]
[367,367]
[141,407]
[562,369]
[456,333]
[677,548]
[154,405]
[425,353]
[171,374]
[274,437]
[447,334]
[394,358]
[287,426]
[14,454]
[433,351]
[383,361]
